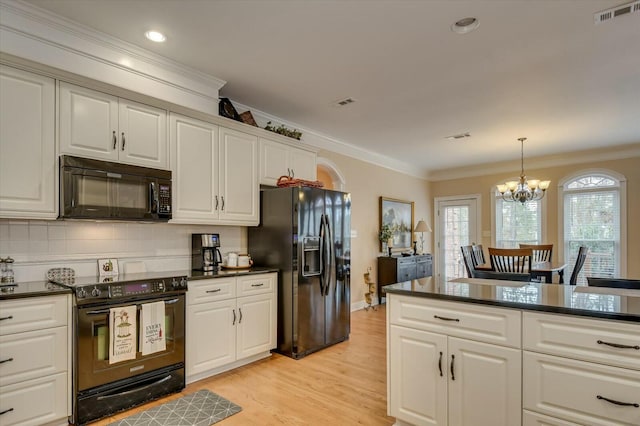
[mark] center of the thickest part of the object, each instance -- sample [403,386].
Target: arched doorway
[329,175]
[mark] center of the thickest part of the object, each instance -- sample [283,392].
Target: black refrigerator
[306,233]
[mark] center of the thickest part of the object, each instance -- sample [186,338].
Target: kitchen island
[485,352]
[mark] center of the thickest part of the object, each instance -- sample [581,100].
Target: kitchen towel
[122,344]
[152,332]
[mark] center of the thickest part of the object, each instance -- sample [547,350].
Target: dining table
[538,270]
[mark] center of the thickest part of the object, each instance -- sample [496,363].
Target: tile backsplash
[37,246]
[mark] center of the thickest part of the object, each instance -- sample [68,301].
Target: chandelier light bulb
[523,190]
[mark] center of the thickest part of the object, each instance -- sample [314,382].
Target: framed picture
[398,214]
[107,267]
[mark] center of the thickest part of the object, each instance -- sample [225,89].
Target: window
[591,210]
[517,223]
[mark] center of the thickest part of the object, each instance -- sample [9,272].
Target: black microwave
[102,190]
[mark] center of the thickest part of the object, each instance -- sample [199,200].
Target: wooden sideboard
[393,269]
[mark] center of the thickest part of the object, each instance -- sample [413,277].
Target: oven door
[92,346]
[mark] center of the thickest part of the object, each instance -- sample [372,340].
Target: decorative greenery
[385,233]
[283,130]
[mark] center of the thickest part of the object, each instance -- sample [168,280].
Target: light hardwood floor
[344,384]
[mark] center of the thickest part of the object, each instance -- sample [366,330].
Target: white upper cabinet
[194,159]
[28,186]
[239,187]
[278,159]
[215,174]
[97,125]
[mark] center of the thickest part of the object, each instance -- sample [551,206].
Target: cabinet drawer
[33,313]
[201,291]
[529,418]
[466,320]
[408,260]
[32,354]
[569,390]
[256,284]
[406,272]
[35,402]
[578,338]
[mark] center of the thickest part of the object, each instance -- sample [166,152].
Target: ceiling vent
[609,14]
[458,136]
[344,102]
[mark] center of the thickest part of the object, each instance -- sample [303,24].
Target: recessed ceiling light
[465,25]
[156,36]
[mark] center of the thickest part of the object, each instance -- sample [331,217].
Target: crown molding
[556,160]
[32,33]
[321,141]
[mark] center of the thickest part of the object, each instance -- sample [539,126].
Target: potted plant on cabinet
[384,236]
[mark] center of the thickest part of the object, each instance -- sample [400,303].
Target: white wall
[37,246]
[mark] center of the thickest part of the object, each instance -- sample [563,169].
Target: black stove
[125,286]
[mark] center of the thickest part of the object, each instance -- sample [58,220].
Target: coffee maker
[205,255]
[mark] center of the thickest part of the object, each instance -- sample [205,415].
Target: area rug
[202,408]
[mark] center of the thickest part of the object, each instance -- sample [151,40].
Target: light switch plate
[354,233]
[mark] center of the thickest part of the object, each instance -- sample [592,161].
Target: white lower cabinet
[529,418]
[580,371]
[438,379]
[35,361]
[230,322]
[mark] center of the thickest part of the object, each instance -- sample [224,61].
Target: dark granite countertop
[31,289]
[616,304]
[44,288]
[200,275]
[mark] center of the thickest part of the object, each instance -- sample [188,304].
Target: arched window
[592,207]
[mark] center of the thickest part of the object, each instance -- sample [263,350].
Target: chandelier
[523,190]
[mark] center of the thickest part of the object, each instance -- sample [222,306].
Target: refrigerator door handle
[322,260]
[329,264]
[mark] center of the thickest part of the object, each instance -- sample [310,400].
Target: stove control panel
[114,290]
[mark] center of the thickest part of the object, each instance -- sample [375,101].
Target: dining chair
[508,276]
[541,252]
[478,254]
[510,260]
[582,256]
[467,256]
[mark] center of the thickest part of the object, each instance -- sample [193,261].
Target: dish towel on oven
[122,344]
[152,332]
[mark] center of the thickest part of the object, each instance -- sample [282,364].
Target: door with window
[457,225]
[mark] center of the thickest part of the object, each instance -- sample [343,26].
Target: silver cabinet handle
[6,360]
[6,411]
[214,291]
[222,196]
[123,141]
[234,317]
[257,285]
[216,202]
[6,318]
[115,140]
[240,310]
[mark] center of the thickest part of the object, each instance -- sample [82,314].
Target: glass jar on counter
[6,266]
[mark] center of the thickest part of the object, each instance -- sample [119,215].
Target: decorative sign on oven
[122,344]
[152,333]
